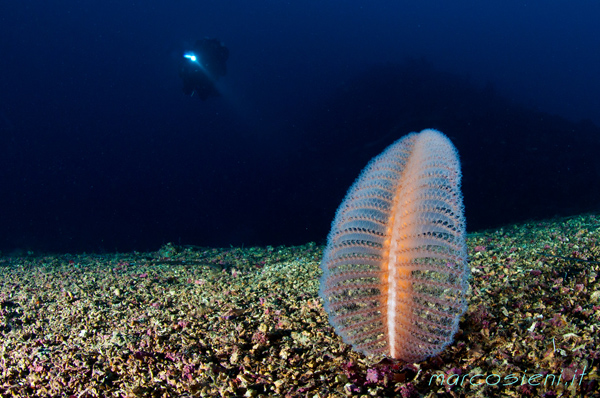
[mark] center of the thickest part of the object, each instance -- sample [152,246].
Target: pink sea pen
[394,269]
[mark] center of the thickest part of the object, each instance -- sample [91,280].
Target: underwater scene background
[157,243]
[101,151]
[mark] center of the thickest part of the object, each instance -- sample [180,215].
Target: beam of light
[191,57]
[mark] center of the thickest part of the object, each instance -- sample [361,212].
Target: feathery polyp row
[394,269]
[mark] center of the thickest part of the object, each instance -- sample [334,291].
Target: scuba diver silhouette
[202,67]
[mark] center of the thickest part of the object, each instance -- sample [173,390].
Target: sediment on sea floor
[194,321]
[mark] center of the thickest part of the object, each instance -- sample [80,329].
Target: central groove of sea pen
[399,254]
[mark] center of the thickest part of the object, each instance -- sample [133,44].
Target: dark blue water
[100,150]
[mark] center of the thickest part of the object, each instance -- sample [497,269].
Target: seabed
[204,322]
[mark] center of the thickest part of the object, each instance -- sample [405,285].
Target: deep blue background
[101,151]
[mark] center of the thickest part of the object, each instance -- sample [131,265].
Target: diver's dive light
[191,57]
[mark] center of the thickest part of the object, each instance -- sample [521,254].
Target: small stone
[341,379]
[350,389]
